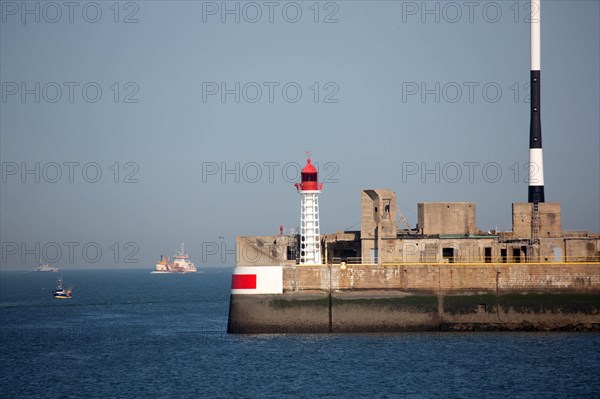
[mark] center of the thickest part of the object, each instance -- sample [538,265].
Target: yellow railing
[492,261]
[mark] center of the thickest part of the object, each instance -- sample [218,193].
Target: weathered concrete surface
[287,313]
[371,298]
[434,277]
[446,218]
[549,212]
[402,311]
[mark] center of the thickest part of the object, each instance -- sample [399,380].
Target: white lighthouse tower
[309,189]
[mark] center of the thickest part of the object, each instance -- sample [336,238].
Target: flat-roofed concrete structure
[446,232]
[446,218]
[549,214]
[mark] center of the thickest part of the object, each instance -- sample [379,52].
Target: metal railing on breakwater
[479,262]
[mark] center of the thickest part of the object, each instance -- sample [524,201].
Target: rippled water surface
[130,334]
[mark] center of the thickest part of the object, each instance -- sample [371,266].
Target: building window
[487,253]
[517,255]
[448,253]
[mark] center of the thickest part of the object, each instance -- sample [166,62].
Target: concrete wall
[378,214]
[273,250]
[434,297]
[342,246]
[339,312]
[378,229]
[263,250]
[582,249]
[550,224]
[446,218]
[432,250]
[434,277]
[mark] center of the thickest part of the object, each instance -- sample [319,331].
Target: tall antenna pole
[536,162]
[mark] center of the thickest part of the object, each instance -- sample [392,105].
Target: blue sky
[163,98]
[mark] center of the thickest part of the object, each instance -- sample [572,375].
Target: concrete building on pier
[446,232]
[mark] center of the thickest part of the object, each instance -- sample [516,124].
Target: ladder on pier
[535,233]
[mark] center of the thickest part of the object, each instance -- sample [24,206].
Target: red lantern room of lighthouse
[309,189]
[309,178]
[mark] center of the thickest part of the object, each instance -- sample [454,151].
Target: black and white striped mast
[536,163]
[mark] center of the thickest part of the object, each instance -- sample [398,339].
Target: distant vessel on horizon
[181,263]
[45,268]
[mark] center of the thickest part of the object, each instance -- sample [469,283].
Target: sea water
[132,334]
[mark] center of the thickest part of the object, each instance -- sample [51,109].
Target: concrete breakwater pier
[444,273]
[425,297]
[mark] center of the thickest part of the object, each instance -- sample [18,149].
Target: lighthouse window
[309,177]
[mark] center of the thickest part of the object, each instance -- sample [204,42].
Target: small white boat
[61,292]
